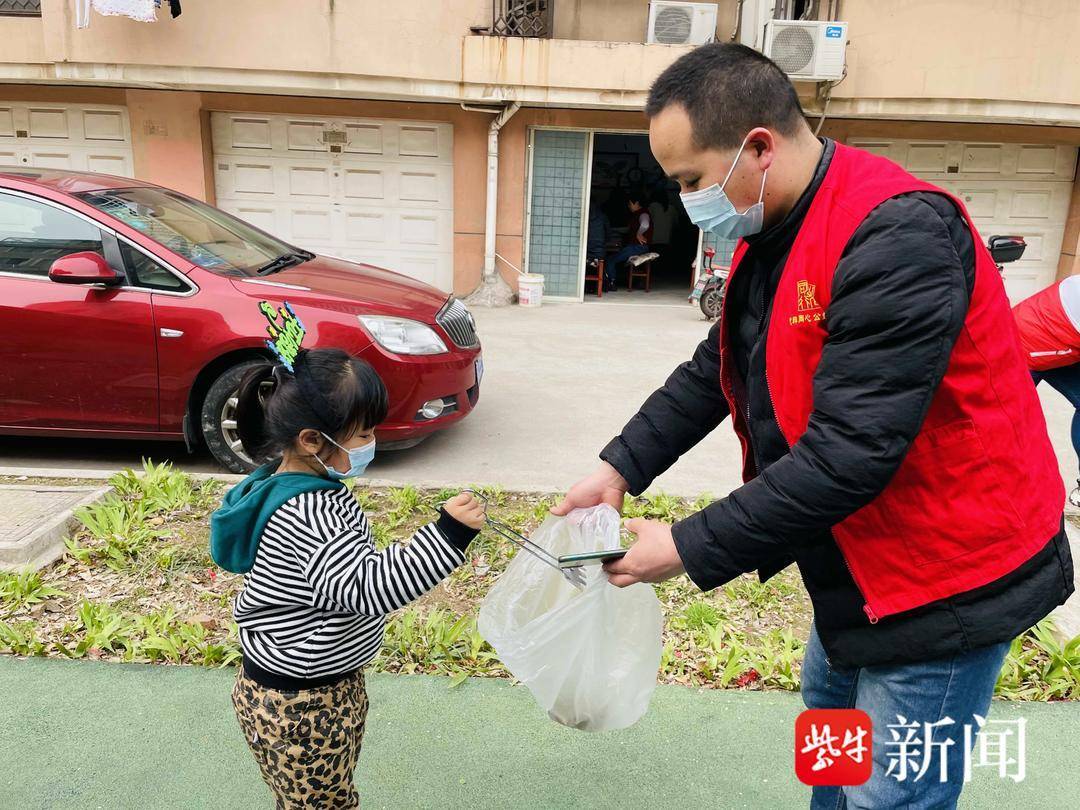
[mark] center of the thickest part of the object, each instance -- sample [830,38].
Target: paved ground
[34,519]
[560,381]
[23,508]
[165,737]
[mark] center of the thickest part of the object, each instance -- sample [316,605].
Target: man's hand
[641,239]
[603,486]
[653,558]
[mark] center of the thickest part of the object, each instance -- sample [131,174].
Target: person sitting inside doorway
[638,238]
[597,237]
[662,213]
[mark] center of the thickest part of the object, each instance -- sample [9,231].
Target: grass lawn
[138,585]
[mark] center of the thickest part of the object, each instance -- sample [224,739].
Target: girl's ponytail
[330,391]
[251,400]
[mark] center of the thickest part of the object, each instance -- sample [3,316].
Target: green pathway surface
[96,735]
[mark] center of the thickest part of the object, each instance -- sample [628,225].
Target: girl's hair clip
[286,332]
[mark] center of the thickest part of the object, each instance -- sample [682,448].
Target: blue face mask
[712,211]
[359,458]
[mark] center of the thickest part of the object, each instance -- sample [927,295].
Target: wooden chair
[594,271]
[641,267]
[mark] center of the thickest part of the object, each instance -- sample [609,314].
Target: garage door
[1015,189]
[367,190]
[66,136]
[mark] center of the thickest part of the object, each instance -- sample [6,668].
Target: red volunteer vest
[979,491]
[1046,333]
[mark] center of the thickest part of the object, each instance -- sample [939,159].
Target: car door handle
[171,333]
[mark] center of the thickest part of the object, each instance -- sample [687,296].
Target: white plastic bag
[589,657]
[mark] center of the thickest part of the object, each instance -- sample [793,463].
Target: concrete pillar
[1069,263]
[170,140]
[470,156]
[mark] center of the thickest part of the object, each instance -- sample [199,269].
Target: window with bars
[521,18]
[20,8]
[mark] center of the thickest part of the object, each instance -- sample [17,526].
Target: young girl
[316,592]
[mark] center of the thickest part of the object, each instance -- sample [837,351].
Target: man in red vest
[893,443]
[1049,324]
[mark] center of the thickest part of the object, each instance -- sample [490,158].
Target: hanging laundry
[140,10]
[82,13]
[174,7]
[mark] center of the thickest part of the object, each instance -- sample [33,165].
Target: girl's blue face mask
[712,211]
[359,458]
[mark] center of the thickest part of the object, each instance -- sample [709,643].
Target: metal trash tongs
[574,576]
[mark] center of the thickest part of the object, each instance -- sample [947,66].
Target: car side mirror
[86,267]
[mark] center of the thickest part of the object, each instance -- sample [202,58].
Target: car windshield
[199,232]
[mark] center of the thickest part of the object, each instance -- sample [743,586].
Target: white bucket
[530,289]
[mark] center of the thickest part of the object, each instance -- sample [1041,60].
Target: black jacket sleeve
[899,300]
[673,419]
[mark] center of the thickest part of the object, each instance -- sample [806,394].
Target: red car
[131,311]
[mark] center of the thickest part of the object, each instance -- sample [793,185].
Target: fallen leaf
[480,565]
[208,622]
[748,677]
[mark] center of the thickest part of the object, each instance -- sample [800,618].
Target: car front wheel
[218,419]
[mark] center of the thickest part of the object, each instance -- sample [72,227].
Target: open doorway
[635,209]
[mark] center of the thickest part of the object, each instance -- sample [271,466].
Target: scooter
[1005,249]
[710,287]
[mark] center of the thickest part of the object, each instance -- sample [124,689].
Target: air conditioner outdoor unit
[807,51]
[681,23]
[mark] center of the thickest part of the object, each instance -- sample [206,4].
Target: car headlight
[403,336]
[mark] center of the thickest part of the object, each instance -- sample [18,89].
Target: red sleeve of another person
[1047,334]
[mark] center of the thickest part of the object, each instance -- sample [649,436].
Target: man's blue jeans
[1066,381]
[611,266]
[927,692]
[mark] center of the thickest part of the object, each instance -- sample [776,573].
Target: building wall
[513,169]
[168,140]
[1069,264]
[593,74]
[171,146]
[64,95]
[844,130]
[470,157]
[959,60]
[326,36]
[24,40]
[621,20]
[962,50]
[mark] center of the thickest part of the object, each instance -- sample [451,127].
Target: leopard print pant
[306,742]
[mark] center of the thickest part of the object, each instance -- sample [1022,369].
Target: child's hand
[464,508]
